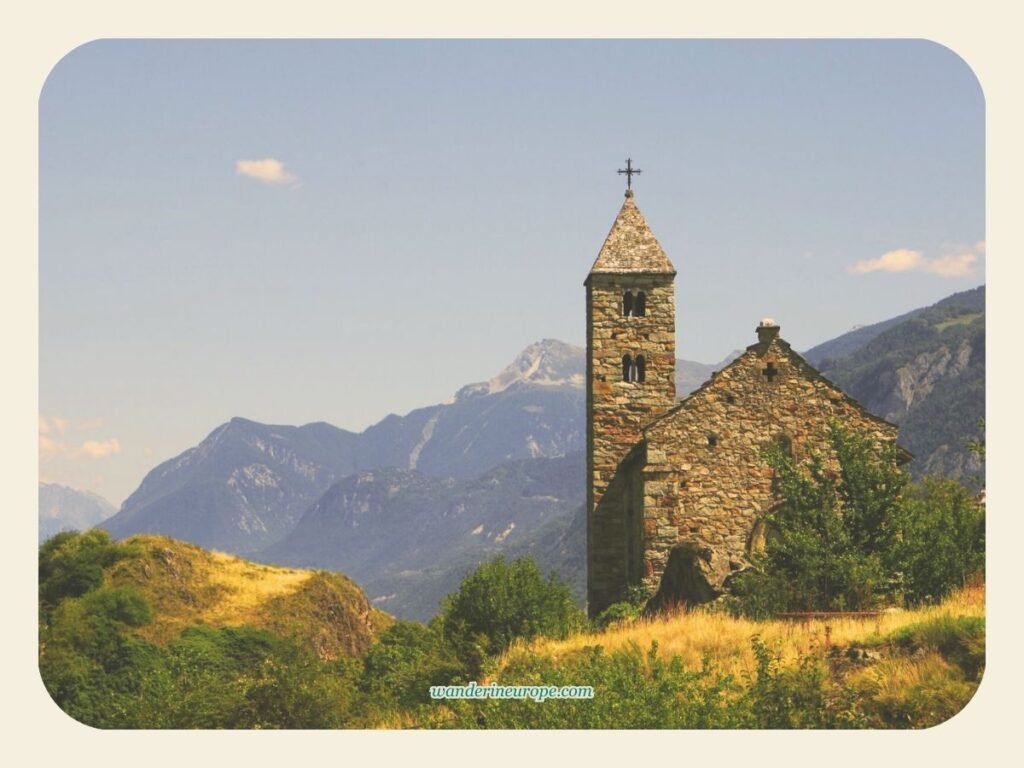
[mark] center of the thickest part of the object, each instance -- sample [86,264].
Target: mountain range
[926,373]
[395,530]
[246,485]
[64,509]
[413,502]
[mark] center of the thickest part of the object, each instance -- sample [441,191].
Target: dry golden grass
[893,677]
[245,587]
[726,640]
[188,585]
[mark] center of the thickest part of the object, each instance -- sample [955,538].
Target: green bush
[628,610]
[405,661]
[942,539]
[803,695]
[632,689]
[72,563]
[860,537]
[831,539]
[500,602]
[94,669]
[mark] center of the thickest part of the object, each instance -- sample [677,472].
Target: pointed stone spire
[631,247]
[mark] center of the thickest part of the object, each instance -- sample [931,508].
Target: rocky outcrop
[693,574]
[900,389]
[927,374]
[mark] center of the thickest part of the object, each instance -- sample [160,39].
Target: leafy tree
[94,669]
[856,533]
[500,602]
[72,563]
[407,659]
[832,538]
[942,539]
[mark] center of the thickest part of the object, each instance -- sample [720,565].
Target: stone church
[677,491]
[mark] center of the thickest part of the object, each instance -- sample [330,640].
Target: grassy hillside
[901,669]
[725,640]
[155,633]
[187,585]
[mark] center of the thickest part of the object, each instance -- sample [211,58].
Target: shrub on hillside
[632,689]
[407,659]
[500,602]
[942,540]
[625,611]
[100,671]
[72,563]
[831,539]
[861,536]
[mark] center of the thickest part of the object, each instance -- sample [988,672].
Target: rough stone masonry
[677,492]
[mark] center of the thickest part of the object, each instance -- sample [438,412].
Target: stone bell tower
[631,361]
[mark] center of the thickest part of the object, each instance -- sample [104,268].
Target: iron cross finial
[629,171]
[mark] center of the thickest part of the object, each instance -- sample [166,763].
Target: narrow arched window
[785,444]
[641,367]
[640,304]
[627,303]
[627,368]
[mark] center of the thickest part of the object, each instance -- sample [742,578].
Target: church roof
[770,341]
[631,247]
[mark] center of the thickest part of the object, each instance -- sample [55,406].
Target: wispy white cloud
[953,265]
[901,260]
[99,449]
[268,170]
[957,264]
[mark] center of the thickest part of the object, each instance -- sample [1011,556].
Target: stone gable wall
[712,497]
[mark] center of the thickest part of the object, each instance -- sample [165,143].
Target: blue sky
[305,231]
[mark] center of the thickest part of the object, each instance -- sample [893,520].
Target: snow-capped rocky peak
[547,363]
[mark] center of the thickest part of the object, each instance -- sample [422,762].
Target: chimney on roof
[767,330]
